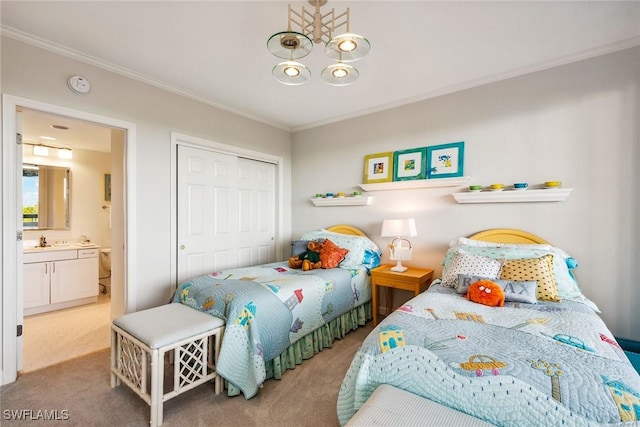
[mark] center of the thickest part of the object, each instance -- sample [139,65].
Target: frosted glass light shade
[291,73]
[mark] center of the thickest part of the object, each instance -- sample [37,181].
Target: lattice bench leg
[195,360]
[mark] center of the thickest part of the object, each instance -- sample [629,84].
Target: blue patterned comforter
[519,365]
[269,307]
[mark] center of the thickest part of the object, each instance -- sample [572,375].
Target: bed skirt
[312,343]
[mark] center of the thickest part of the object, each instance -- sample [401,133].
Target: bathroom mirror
[45,197]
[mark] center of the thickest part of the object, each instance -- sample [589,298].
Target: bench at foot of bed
[391,406]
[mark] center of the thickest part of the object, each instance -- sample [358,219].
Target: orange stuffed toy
[486,292]
[309,260]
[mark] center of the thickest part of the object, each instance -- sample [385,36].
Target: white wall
[576,123]
[36,74]
[86,197]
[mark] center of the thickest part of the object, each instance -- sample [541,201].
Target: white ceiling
[215,51]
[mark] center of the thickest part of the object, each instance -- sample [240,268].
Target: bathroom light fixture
[399,228]
[65,153]
[317,28]
[40,150]
[43,151]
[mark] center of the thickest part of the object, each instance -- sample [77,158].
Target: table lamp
[399,229]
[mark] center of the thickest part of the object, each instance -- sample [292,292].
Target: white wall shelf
[342,201]
[418,183]
[512,196]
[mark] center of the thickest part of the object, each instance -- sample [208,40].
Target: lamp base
[399,268]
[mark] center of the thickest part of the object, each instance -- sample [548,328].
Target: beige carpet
[80,391]
[57,336]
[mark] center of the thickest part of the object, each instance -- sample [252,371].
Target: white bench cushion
[390,406]
[167,324]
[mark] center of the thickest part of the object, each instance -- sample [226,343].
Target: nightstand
[414,279]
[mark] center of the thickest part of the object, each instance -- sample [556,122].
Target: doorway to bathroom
[118,213]
[53,334]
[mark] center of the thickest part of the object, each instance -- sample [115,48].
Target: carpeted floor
[78,393]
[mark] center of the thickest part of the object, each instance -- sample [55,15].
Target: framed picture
[410,164]
[378,168]
[107,187]
[446,160]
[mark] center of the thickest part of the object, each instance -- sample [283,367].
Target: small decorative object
[497,187]
[486,292]
[410,164]
[552,184]
[520,186]
[399,228]
[329,195]
[107,187]
[446,160]
[340,194]
[310,259]
[475,188]
[378,168]
[319,195]
[357,194]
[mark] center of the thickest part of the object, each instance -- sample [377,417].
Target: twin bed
[277,316]
[544,358]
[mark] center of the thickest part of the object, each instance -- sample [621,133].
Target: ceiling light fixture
[317,28]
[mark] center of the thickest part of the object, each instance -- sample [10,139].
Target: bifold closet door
[226,211]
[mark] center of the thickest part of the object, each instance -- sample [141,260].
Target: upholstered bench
[140,341]
[390,406]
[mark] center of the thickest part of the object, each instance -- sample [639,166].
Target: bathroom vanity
[59,277]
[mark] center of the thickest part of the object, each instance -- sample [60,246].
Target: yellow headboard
[507,235]
[346,229]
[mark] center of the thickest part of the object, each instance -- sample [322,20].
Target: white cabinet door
[36,284]
[74,279]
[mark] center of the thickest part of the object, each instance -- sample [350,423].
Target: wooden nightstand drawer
[396,283]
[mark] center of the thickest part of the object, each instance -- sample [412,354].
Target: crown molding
[108,66]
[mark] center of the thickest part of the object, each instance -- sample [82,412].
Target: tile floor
[51,338]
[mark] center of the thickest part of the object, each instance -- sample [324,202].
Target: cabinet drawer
[87,253]
[47,255]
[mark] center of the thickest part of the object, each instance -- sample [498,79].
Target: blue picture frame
[445,160]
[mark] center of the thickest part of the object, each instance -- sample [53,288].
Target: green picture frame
[410,164]
[107,187]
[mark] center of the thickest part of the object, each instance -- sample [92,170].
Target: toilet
[105,262]
[105,270]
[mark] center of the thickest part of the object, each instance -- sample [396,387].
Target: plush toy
[486,292]
[309,260]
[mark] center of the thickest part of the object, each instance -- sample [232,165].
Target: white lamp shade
[399,228]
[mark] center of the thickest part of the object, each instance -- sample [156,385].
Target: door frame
[204,144]
[11,257]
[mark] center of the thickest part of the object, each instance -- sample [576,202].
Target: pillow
[331,255]
[538,269]
[371,259]
[465,241]
[464,263]
[513,291]
[357,245]
[298,247]
[562,262]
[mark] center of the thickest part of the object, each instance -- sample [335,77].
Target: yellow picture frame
[378,167]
